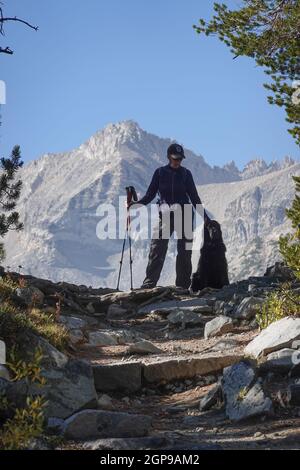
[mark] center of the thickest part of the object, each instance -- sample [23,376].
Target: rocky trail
[166,369]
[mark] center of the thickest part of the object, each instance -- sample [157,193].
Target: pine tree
[289,245]
[9,194]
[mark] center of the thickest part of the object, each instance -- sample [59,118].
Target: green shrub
[280,303]
[14,323]
[26,423]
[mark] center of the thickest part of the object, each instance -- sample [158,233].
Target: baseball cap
[175,151]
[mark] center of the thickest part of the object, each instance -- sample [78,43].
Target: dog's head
[214,232]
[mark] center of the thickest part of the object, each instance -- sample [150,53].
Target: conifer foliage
[289,245]
[10,190]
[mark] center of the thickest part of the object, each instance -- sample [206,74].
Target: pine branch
[14,18]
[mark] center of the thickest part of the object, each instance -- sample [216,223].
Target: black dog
[212,270]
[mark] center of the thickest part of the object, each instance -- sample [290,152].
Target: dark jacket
[174,185]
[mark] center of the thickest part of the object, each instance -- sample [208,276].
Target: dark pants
[159,247]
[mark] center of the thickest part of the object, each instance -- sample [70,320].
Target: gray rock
[218,326]
[134,443]
[72,323]
[16,392]
[115,311]
[279,361]
[90,308]
[30,295]
[143,347]
[55,425]
[111,337]
[68,389]
[224,345]
[185,318]
[96,423]
[280,271]
[280,334]
[177,304]
[118,376]
[182,367]
[102,338]
[244,396]
[76,336]
[105,402]
[223,308]
[52,357]
[211,398]
[4,372]
[294,395]
[248,308]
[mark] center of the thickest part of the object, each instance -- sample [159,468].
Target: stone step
[131,376]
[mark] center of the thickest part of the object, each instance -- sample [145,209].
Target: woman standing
[175,185]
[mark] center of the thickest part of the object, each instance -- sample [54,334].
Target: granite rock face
[280,334]
[243,393]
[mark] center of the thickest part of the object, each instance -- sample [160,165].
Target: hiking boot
[148,286]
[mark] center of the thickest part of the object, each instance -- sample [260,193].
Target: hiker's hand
[131,203]
[206,219]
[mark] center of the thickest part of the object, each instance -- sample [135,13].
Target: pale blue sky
[98,61]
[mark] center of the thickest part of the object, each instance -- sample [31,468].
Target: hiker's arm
[151,191]
[194,196]
[192,190]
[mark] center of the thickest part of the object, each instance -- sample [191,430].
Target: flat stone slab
[186,367]
[134,443]
[97,423]
[280,334]
[119,376]
[177,304]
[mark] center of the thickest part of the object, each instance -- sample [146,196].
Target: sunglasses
[176,159]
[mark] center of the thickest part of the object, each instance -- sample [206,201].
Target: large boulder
[280,334]
[68,389]
[97,423]
[69,382]
[243,393]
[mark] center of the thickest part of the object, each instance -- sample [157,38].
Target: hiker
[175,185]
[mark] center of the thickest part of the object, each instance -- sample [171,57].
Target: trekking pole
[121,261]
[131,196]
